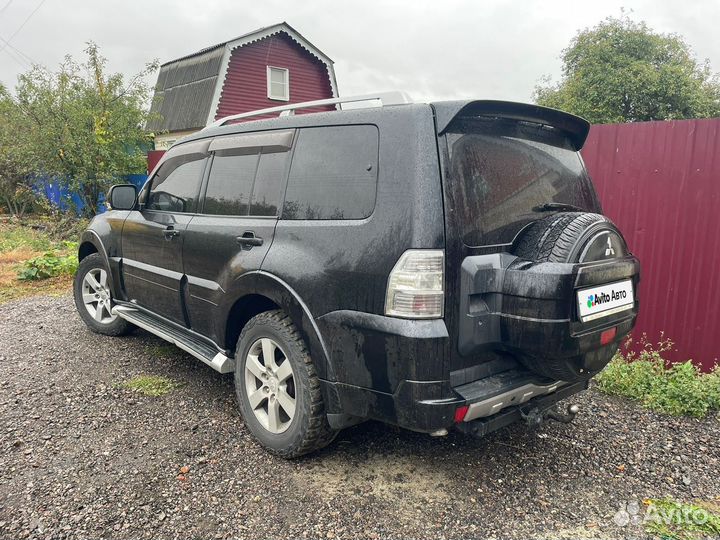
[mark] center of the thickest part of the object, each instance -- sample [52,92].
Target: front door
[233,231]
[153,236]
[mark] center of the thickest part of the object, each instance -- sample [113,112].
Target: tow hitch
[535,416]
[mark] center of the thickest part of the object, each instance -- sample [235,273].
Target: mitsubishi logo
[609,251]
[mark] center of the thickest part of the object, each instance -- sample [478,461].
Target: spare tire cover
[570,237]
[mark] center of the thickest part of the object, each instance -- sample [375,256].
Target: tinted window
[333,174]
[269,182]
[230,184]
[502,172]
[176,184]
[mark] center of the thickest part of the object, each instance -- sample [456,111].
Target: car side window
[269,183]
[175,186]
[333,174]
[230,183]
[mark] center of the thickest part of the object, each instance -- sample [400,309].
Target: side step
[188,343]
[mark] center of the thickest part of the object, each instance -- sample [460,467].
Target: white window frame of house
[286,95]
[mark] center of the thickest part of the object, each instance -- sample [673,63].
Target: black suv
[434,266]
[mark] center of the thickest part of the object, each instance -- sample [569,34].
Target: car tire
[278,389]
[561,238]
[93,298]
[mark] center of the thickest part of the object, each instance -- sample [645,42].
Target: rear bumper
[431,405]
[483,426]
[396,371]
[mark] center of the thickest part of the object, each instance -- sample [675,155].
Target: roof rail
[385,98]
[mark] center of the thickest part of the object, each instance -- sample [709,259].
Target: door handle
[248,240]
[170,233]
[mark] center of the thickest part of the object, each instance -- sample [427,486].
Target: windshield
[503,174]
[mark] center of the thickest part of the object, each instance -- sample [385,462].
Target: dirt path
[83,457]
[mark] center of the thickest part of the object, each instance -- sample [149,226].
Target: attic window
[278,83]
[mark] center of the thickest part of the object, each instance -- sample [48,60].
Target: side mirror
[122,197]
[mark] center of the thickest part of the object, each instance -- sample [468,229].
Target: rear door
[235,226]
[499,176]
[152,237]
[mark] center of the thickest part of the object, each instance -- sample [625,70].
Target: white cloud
[434,50]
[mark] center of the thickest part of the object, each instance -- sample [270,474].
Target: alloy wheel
[96,296]
[270,385]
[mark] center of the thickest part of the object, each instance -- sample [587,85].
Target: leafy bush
[676,389]
[49,265]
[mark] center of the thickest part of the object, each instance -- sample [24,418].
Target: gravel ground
[82,457]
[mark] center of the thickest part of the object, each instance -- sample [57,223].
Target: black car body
[309,215]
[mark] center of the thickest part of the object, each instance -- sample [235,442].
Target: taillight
[460,413]
[415,285]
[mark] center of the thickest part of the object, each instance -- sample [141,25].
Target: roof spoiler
[575,127]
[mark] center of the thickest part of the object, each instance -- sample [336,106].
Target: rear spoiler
[575,127]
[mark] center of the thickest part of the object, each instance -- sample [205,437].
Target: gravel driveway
[82,457]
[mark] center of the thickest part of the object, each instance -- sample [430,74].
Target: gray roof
[184,92]
[187,88]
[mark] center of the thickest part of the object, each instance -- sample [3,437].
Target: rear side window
[230,184]
[175,186]
[269,181]
[333,173]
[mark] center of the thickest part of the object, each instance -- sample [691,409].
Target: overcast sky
[439,49]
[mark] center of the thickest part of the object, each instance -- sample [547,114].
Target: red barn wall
[660,183]
[245,87]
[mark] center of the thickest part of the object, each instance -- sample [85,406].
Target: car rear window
[333,174]
[501,172]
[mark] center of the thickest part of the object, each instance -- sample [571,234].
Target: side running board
[185,341]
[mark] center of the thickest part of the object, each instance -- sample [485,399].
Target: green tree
[623,71]
[16,159]
[85,126]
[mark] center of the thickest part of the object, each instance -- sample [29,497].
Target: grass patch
[151,385]
[44,260]
[674,520]
[19,237]
[677,389]
[13,289]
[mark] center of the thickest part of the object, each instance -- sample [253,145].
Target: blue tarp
[59,195]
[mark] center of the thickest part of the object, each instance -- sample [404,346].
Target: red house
[265,68]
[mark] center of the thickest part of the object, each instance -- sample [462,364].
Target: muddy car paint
[330,276]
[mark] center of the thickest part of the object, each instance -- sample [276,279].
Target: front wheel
[93,298]
[277,387]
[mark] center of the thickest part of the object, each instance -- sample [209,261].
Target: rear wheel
[93,298]
[571,237]
[278,389]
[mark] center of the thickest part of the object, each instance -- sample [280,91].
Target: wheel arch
[91,243]
[245,308]
[85,249]
[271,292]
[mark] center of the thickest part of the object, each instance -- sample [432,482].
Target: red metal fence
[660,183]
